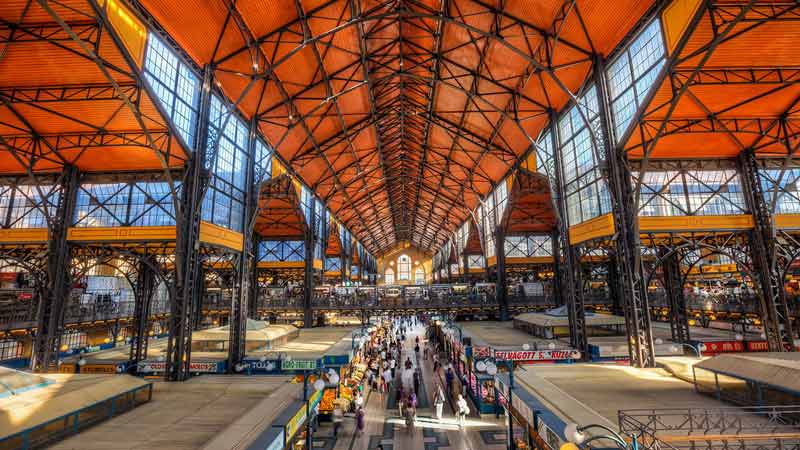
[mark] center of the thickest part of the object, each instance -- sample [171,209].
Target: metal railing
[748,428]
[400,302]
[80,307]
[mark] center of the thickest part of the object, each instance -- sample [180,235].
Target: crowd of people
[394,371]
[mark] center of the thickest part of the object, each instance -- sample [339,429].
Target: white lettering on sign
[536,355]
[207,367]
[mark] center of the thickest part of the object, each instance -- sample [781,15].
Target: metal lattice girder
[571,276]
[308,275]
[10,32]
[144,290]
[624,208]
[51,307]
[714,76]
[67,93]
[772,294]
[673,285]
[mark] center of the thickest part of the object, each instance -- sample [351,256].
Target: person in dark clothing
[416,382]
[449,376]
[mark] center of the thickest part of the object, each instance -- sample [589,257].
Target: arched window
[419,275]
[404,268]
[388,275]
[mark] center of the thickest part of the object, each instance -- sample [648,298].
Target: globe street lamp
[576,437]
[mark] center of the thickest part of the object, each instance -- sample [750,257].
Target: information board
[536,355]
[299,364]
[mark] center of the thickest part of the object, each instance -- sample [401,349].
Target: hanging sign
[299,364]
[536,355]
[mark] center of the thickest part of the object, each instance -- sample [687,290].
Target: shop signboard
[536,355]
[756,346]
[194,367]
[502,391]
[335,360]
[481,352]
[258,366]
[67,368]
[299,364]
[522,409]
[277,443]
[297,421]
[314,401]
[550,437]
[473,383]
[723,347]
[100,368]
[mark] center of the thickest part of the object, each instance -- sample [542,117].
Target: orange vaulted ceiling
[57,107]
[401,114]
[742,93]
[280,216]
[530,206]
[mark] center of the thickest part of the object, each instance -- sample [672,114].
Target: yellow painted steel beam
[598,227]
[281,264]
[529,260]
[696,223]
[221,236]
[121,234]
[23,235]
[787,221]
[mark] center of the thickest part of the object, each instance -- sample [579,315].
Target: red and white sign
[8,276]
[481,352]
[757,346]
[536,355]
[723,347]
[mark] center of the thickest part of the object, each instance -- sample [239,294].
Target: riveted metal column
[555,249]
[49,321]
[308,281]
[612,280]
[772,295]
[627,248]
[673,285]
[241,295]
[345,257]
[199,297]
[571,276]
[144,290]
[253,304]
[188,273]
[465,263]
[501,290]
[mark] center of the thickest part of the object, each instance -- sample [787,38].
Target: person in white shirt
[392,365]
[359,401]
[388,378]
[438,402]
[463,409]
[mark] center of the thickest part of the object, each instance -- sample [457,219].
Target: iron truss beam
[402,68]
[67,93]
[714,76]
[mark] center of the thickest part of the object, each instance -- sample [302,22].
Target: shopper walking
[438,402]
[338,417]
[448,378]
[463,410]
[360,421]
